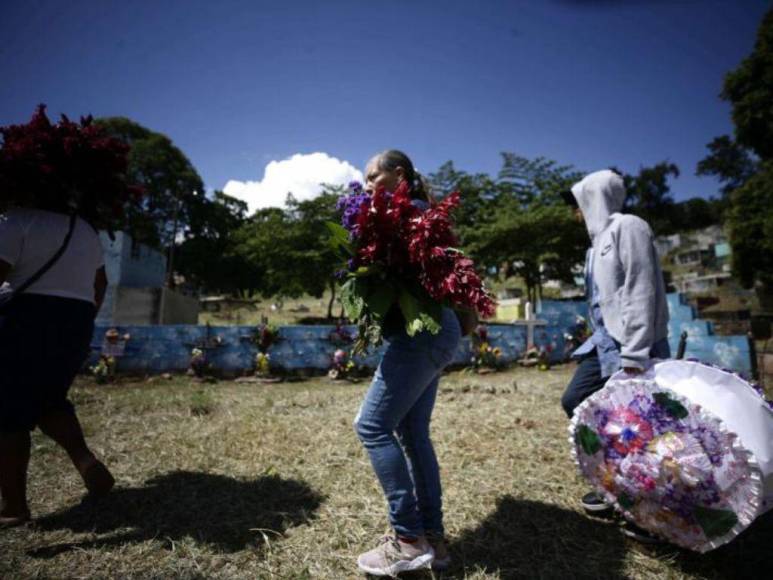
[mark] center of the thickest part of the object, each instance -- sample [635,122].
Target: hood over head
[599,195]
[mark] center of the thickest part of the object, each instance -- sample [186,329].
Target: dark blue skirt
[44,341]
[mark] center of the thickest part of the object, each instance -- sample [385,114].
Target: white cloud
[303,175]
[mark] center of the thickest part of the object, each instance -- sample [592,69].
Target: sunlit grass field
[243,480]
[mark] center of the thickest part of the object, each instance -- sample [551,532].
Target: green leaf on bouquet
[419,315]
[672,407]
[380,300]
[715,522]
[625,501]
[353,294]
[588,440]
[339,238]
[429,322]
[367,270]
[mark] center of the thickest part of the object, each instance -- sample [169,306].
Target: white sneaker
[394,556]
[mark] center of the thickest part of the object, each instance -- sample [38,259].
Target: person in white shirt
[45,335]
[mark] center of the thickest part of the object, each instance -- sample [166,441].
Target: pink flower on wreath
[628,431]
[340,356]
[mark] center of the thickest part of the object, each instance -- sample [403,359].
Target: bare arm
[5,269]
[100,286]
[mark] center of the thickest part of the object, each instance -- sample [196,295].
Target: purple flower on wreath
[712,443]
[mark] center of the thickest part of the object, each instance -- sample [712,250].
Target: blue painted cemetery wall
[230,349]
[730,352]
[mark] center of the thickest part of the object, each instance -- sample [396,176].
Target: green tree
[649,196]
[696,213]
[745,165]
[530,180]
[478,192]
[521,227]
[749,89]
[317,258]
[538,242]
[174,189]
[209,258]
[750,222]
[267,242]
[729,162]
[289,247]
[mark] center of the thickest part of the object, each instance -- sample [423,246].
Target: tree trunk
[332,298]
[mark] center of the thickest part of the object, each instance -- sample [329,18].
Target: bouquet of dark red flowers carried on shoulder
[67,166]
[398,253]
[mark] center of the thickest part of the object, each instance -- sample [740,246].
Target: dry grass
[293,311]
[234,480]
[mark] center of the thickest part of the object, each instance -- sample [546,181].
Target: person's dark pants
[587,380]
[44,341]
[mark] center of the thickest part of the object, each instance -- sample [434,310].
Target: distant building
[696,284]
[136,292]
[697,261]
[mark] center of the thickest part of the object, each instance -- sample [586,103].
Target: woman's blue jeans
[393,425]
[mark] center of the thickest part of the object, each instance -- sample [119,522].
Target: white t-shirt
[30,237]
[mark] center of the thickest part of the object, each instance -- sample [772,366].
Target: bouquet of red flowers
[397,253]
[64,166]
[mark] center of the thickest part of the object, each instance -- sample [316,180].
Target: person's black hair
[391,159]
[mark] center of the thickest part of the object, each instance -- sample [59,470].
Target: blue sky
[238,85]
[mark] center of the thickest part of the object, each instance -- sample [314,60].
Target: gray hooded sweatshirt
[625,268]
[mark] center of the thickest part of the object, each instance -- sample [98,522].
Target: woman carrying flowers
[393,421]
[57,183]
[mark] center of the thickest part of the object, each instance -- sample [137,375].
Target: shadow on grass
[223,512]
[528,539]
[747,556]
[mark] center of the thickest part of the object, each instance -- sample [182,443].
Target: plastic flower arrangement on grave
[262,364]
[67,165]
[265,336]
[104,370]
[198,365]
[543,356]
[342,365]
[398,254]
[484,356]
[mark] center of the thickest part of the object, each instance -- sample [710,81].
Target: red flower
[53,165]
[419,245]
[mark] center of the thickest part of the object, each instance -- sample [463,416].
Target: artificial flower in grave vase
[342,365]
[262,365]
[198,366]
[485,357]
[114,343]
[104,370]
[265,335]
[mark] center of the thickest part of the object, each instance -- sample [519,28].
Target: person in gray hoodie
[625,290]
